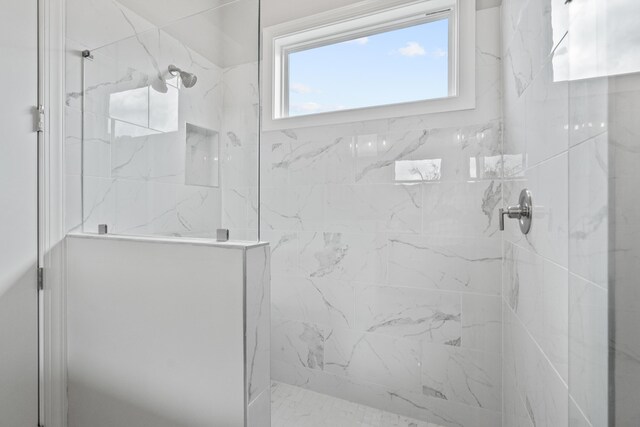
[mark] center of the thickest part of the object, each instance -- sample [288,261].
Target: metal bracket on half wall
[222,235]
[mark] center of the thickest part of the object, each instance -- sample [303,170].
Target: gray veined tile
[316,300]
[547,110]
[589,209]
[343,256]
[537,291]
[589,351]
[482,322]
[379,359]
[374,208]
[301,407]
[293,208]
[544,393]
[297,343]
[416,314]
[461,209]
[461,375]
[453,264]
[98,23]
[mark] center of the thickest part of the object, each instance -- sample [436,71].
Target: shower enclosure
[390,284]
[170,128]
[166,323]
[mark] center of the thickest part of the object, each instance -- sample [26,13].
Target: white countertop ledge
[232,244]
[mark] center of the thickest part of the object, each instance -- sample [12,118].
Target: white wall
[387,293]
[18,215]
[156,332]
[555,279]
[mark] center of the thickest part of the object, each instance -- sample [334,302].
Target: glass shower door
[170,128]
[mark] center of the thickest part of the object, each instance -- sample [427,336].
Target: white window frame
[360,20]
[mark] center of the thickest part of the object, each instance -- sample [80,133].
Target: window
[371,61]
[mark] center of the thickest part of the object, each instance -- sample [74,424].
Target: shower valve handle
[523,212]
[515,212]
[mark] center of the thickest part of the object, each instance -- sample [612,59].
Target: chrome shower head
[188,79]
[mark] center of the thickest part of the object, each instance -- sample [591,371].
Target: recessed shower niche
[202,156]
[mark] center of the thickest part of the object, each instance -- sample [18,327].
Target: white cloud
[360,41]
[439,53]
[300,88]
[412,49]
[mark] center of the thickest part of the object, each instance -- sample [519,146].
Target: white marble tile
[72,202]
[481,323]
[298,344]
[537,291]
[589,349]
[466,209]
[284,251]
[293,208]
[461,375]
[542,390]
[514,411]
[235,207]
[515,133]
[293,406]
[343,256]
[448,154]
[96,146]
[548,183]
[576,417]
[259,411]
[589,209]
[258,323]
[374,208]
[151,156]
[416,314]
[513,13]
[547,107]
[166,209]
[454,264]
[99,203]
[413,405]
[73,73]
[547,24]
[112,87]
[443,412]
[72,141]
[588,108]
[315,300]
[388,361]
[290,160]
[100,22]
[533,29]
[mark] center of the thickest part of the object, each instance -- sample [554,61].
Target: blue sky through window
[403,65]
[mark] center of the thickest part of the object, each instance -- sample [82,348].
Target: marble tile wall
[258,332]
[624,253]
[386,256]
[134,173]
[555,278]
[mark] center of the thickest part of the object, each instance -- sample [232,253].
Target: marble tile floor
[297,407]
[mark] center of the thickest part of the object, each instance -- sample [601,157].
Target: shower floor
[297,407]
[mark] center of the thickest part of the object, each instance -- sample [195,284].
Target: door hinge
[40,118]
[40,278]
